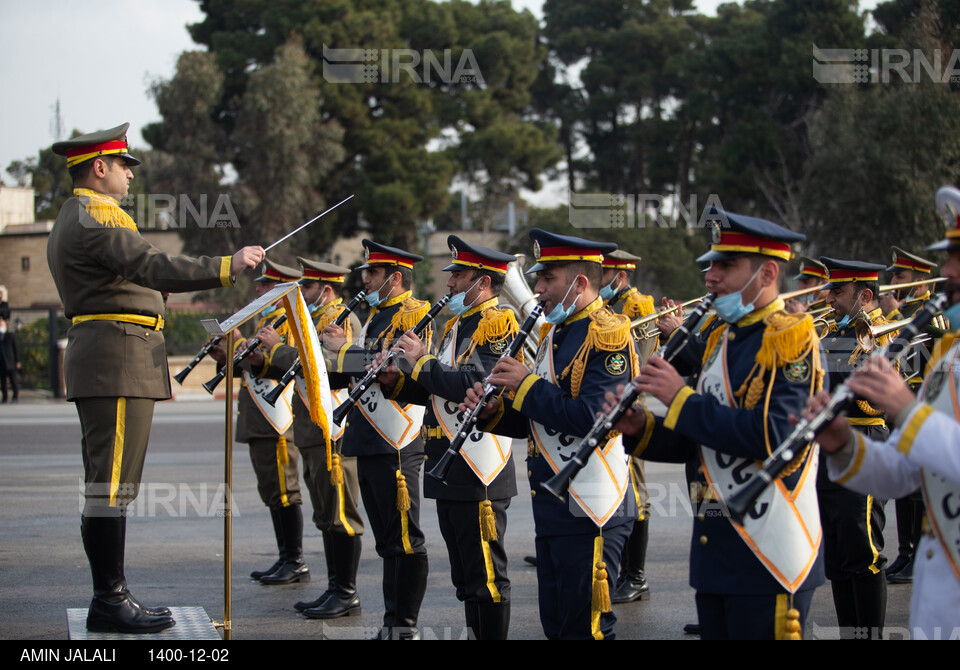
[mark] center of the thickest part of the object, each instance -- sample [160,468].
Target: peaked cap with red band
[903,260]
[844,272]
[317,271]
[736,235]
[111,142]
[278,273]
[948,207]
[620,260]
[375,254]
[811,269]
[466,255]
[552,249]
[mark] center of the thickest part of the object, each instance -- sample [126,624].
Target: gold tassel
[488,522]
[601,589]
[607,332]
[336,470]
[403,496]
[786,337]
[792,626]
[282,456]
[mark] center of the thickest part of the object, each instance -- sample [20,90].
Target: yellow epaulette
[787,338]
[410,312]
[607,332]
[104,210]
[495,324]
[636,304]
[329,315]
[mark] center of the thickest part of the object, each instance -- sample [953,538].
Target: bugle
[361,387]
[204,350]
[274,395]
[743,500]
[560,482]
[470,418]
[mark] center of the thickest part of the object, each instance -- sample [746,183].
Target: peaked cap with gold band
[318,271]
[948,207]
[279,273]
[466,255]
[111,142]
[620,260]
[904,260]
[375,254]
[736,235]
[552,249]
[811,269]
[842,272]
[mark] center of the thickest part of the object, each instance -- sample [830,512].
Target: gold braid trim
[713,340]
[404,319]
[636,304]
[607,332]
[104,210]
[496,324]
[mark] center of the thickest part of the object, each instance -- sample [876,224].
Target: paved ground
[175,546]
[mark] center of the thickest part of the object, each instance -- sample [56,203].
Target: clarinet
[297,366]
[743,500]
[251,345]
[361,387]
[470,418]
[560,482]
[204,350]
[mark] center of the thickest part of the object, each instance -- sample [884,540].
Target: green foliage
[33,347]
[182,332]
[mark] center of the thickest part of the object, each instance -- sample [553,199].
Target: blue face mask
[607,292]
[374,299]
[730,307]
[456,303]
[559,314]
[843,322]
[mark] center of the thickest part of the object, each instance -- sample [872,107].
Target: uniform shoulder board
[787,338]
[636,304]
[410,312]
[496,325]
[105,210]
[608,331]
[329,315]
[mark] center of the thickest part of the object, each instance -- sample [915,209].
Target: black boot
[632,584]
[471,614]
[293,569]
[412,572]
[281,549]
[870,595]
[343,600]
[331,575]
[152,611]
[494,620]
[112,608]
[389,586]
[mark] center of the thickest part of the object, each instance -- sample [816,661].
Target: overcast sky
[97,57]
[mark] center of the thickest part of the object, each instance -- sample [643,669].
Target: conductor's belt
[431,432]
[154,322]
[864,421]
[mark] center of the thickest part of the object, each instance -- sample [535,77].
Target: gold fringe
[282,456]
[713,340]
[403,495]
[488,523]
[636,304]
[336,470]
[787,337]
[607,332]
[104,210]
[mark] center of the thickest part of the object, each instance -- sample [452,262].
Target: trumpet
[471,417]
[558,485]
[743,500]
[297,366]
[640,323]
[340,413]
[887,288]
[204,350]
